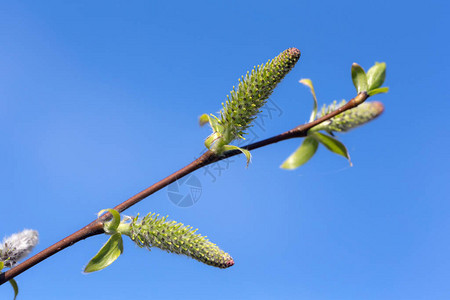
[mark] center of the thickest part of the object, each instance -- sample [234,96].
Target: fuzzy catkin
[245,101]
[18,246]
[154,231]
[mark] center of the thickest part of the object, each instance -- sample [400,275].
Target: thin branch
[96,227]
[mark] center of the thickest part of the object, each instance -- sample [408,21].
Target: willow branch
[209,157]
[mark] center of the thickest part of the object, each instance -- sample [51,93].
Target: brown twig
[96,227]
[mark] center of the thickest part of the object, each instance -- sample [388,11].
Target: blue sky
[100,99]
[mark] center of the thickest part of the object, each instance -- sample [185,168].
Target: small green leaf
[378,91]
[301,155]
[332,144]
[309,84]
[376,76]
[246,152]
[15,287]
[216,127]
[212,138]
[212,120]
[203,119]
[110,251]
[111,226]
[359,78]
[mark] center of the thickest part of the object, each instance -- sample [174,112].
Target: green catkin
[351,118]
[245,101]
[154,231]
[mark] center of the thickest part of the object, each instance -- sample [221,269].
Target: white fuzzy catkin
[18,246]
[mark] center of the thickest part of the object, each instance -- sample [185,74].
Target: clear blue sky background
[100,99]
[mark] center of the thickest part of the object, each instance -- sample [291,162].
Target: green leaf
[212,138]
[376,76]
[111,226]
[212,120]
[203,119]
[216,127]
[246,152]
[15,287]
[332,144]
[309,84]
[378,91]
[301,155]
[2,265]
[110,251]
[359,78]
